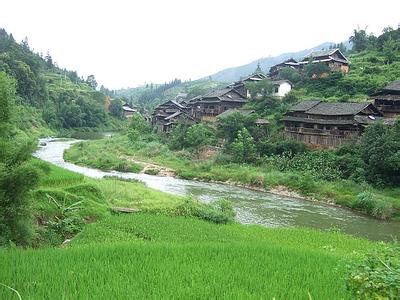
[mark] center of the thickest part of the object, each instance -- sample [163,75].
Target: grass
[157,256]
[343,192]
[64,201]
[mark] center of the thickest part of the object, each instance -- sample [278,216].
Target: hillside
[49,97]
[151,95]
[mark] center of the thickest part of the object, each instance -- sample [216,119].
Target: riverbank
[171,241]
[382,204]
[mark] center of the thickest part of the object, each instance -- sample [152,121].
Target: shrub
[219,212]
[377,276]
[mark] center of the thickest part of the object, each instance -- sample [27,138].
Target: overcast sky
[127,43]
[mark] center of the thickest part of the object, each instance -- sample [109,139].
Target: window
[276,89]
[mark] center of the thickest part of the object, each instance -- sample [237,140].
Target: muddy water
[252,207]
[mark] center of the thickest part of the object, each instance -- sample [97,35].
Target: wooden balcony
[332,132]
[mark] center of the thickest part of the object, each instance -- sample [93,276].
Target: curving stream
[252,207]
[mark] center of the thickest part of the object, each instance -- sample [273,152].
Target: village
[313,122]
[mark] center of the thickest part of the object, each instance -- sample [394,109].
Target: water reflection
[252,207]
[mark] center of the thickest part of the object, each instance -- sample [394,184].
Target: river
[252,207]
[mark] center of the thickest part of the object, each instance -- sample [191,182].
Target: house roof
[127,108]
[244,112]
[304,105]
[175,114]
[262,122]
[222,95]
[337,108]
[393,86]
[279,82]
[325,55]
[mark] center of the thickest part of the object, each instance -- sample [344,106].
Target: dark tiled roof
[337,108]
[229,112]
[305,105]
[262,121]
[173,115]
[393,86]
[326,54]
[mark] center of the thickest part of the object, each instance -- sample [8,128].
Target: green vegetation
[324,175]
[371,68]
[155,256]
[17,175]
[50,97]
[152,95]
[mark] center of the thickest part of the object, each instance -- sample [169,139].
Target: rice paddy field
[153,255]
[157,256]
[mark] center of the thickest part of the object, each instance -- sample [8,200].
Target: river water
[252,207]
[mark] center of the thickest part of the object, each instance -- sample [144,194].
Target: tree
[49,61]
[17,176]
[243,147]
[380,151]
[316,70]
[290,74]
[199,135]
[91,81]
[116,109]
[360,40]
[228,127]
[391,49]
[260,89]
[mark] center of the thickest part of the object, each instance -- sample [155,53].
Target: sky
[126,43]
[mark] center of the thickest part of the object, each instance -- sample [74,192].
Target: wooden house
[329,125]
[128,111]
[333,58]
[274,70]
[168,114]
[209,106]
[387,100]
[240,86]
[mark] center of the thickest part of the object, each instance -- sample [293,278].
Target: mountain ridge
[235,73]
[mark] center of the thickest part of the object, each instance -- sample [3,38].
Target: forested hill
[151,95]
[235,73]
[48,96]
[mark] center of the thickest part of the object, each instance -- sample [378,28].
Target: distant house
[274,70]
[281,87]
[329,124]
[128,110]
[240,85]
[210,105]
[168,114]
[387,100]
[333,58]
[243,112]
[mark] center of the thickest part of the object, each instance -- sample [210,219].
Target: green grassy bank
[118,151]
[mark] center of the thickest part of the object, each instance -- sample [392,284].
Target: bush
[219,212]
[372,206]
[377,276]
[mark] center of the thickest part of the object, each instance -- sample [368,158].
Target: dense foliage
[17,176]
[63,98]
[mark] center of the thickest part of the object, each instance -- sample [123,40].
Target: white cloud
[127,43]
